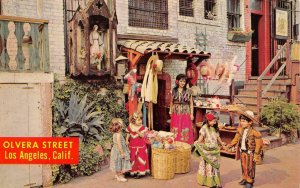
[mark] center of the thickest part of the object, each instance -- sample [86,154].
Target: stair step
[250,106]
[277,81]
[269,78]
[263,130]
[274,141]
[270,93]
[249,99]
[276,86]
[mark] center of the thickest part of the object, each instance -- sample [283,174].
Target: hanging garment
[150,83]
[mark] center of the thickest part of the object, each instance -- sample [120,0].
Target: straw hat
[220,69]
[241,110]
[204,70]
[157,65]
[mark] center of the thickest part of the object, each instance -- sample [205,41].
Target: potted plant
[238,35]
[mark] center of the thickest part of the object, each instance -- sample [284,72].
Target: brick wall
[51,10]
[184,28]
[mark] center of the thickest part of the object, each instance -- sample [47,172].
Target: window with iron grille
[71,7]
[186,8]
[148,13]
[233,14]
[210,9]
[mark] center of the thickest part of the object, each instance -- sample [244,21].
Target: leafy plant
[89,162]
[279,114]
[96,98]
[81,119]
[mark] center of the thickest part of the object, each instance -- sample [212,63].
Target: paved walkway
[281,169]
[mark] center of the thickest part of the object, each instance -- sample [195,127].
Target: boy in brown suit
[249,144]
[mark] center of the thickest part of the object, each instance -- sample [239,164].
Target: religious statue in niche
[97,48]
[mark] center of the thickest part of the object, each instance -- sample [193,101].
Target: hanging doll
[134,85]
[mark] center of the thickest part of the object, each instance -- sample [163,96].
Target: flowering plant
[97,57]
[240,31]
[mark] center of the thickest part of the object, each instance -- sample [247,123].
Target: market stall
[148,91]
[145,61]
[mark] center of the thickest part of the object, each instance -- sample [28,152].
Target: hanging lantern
[121,65]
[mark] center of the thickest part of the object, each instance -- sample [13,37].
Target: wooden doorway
[255,48]
[161,109]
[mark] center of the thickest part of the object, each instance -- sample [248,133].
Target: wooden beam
[147,38]
[133,57]
[22,19]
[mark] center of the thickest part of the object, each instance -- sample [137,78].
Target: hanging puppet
[135,87]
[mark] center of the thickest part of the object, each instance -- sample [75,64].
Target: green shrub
[89,163]
[95,101]
[279,111]
[80,119]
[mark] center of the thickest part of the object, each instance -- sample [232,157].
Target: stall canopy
[139,51]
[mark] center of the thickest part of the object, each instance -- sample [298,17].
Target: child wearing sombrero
[249,144]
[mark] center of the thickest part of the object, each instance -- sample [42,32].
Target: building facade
[26,78]
[198,24]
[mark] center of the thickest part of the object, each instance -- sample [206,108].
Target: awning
[180,50]
[139,51]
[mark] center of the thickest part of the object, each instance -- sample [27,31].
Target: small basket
[183,157]
[163,163]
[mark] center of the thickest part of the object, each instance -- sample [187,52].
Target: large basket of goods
[183,157]
[162,155]
[163,163]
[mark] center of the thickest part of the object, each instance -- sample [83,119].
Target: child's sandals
[120,178]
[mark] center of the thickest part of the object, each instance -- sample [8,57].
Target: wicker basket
[163,163]
[183,157]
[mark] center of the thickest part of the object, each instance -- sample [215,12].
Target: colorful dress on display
[209,167]
[181,123]
[117,163]
[138,150]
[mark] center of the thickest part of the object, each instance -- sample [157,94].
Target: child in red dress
[137,146]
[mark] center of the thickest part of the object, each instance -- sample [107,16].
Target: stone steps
[277,86]
[263,130]
[274,141]
[244,99]
[269,93]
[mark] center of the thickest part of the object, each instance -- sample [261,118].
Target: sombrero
[207,69]
[241,110]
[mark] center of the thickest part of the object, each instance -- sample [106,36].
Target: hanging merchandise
[220,69]
[144,115]
[150,85]
[192,74]
[207,70]
[230,70]
[150,116]
[135,87]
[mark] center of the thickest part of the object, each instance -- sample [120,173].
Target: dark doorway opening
[161,109]
[255,47]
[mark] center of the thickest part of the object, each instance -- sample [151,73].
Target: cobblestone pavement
[280,169]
